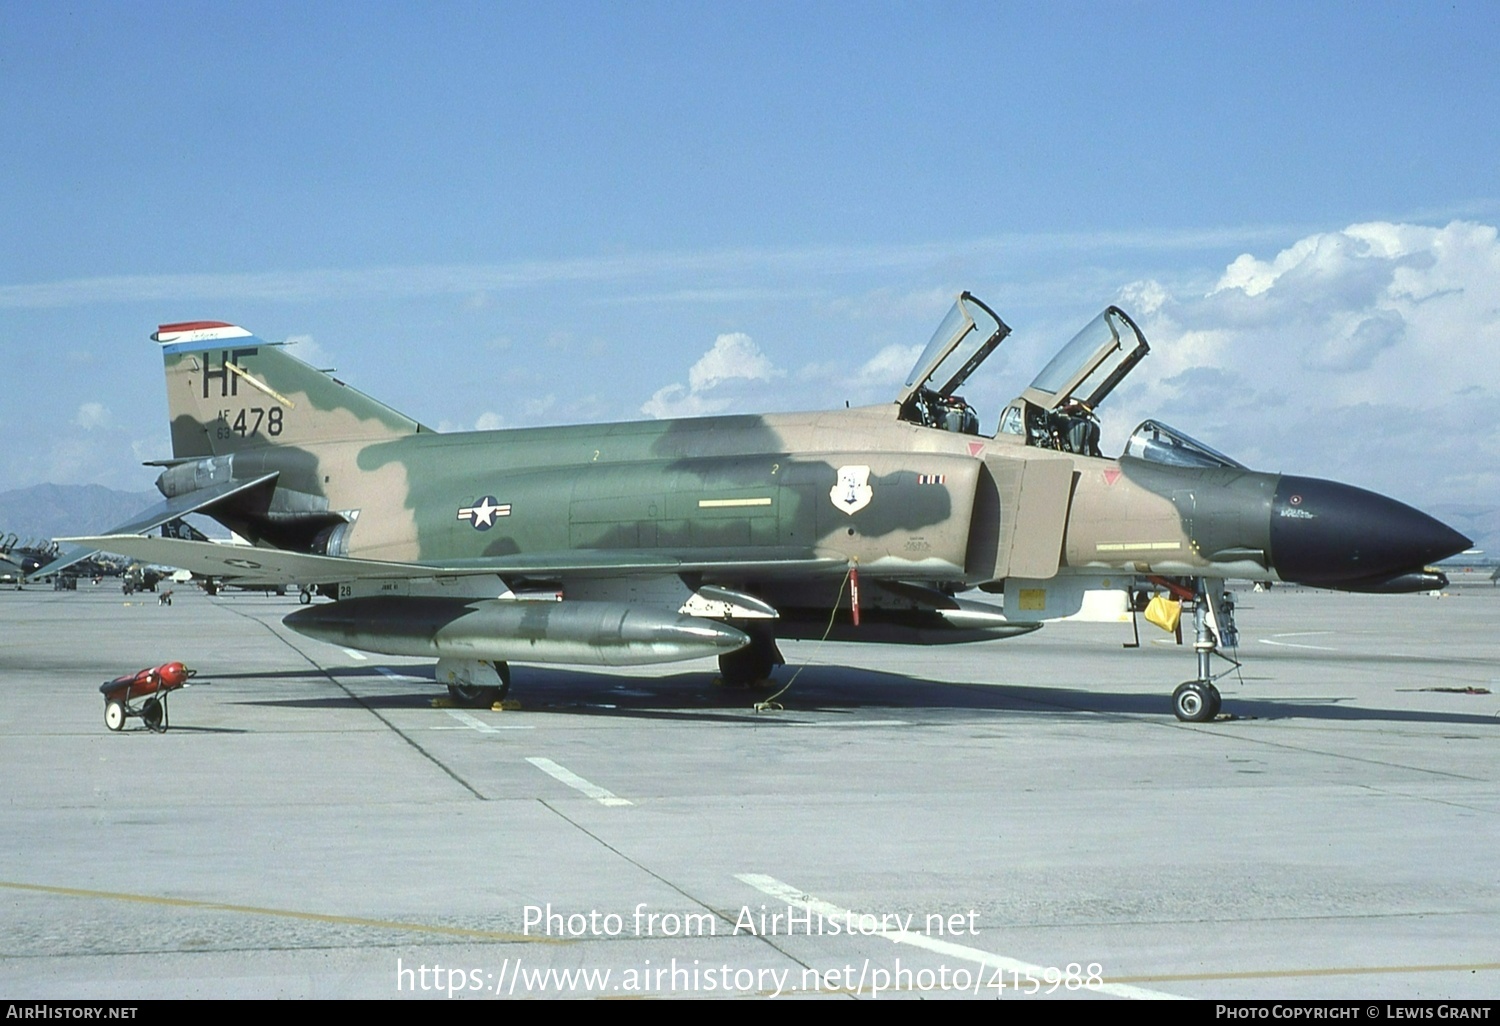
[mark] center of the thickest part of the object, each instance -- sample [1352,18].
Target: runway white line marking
[386,671]
[496,729]
[355,655]
[576,782]
[1293,644]
[475,723]
[852,723]
[986,959]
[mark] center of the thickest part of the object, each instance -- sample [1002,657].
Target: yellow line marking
[315,917]
[1281,974]
[1150,546]
[459,931]
[727,503]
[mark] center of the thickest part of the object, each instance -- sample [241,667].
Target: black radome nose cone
[1326,533]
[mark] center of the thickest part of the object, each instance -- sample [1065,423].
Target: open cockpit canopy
[1057,409]
[969,333]
[1090,366]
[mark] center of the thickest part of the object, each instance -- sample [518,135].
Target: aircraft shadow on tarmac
[698,698]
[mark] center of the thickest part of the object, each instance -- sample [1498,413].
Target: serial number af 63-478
[249,421]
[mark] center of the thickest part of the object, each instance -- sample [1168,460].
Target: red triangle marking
[975,448]
[1111,476]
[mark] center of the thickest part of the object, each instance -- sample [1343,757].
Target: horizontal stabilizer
[190,502]
[152,518]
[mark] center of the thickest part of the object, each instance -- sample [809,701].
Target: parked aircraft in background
[18,561]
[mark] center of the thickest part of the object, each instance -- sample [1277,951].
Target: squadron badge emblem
[853,492]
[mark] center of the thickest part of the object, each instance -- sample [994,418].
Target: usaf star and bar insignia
[482,515]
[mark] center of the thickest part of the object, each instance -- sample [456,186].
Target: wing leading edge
[245,564]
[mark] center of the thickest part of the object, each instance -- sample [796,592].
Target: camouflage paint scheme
[672,539]
[711,489]
[704,489]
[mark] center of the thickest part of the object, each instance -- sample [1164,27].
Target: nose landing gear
[1198,701]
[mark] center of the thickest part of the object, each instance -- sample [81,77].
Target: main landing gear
[752,665]
[1198,701]
[474,683]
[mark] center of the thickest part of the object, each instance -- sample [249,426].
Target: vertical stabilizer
[229,391]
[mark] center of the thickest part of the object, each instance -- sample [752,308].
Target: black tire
[1194,702]
[153,715]
[1215,701]
[753,664]
[473,696]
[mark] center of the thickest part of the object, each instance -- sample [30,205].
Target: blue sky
[503,214]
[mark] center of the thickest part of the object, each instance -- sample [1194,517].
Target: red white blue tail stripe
[190,335]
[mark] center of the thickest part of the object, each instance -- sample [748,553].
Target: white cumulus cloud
[1370,355]
[734,359]
[888,368]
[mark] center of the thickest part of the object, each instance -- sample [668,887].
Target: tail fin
[229,391]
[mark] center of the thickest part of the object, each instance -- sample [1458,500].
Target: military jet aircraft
[648,542]
[19,561]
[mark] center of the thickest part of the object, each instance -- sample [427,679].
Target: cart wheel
[152,714]
[114,715]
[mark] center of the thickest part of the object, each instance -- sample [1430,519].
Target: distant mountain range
[54,511]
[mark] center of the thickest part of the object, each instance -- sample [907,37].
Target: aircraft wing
[244,563]
[154,517]
[251,565]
